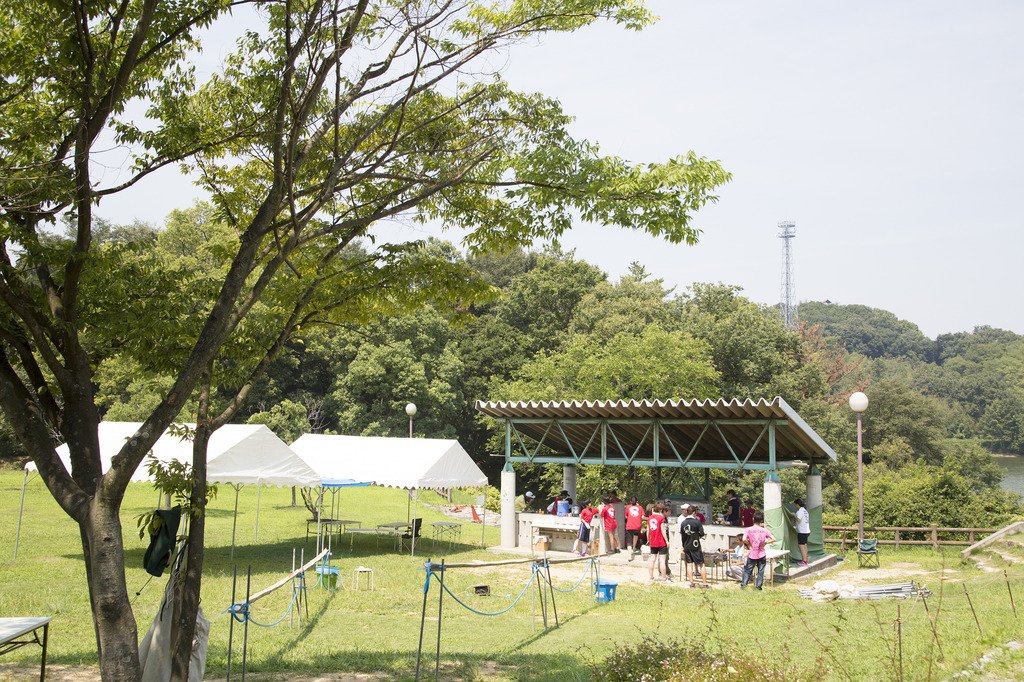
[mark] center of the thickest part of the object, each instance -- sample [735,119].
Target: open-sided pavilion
[678,438]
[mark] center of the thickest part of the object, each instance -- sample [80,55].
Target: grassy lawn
[378,631]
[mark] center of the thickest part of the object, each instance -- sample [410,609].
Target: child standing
[692,530]
[610,525]
[634,523]
[587,515]
[658,542]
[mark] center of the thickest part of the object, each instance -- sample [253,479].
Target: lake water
[1014,466]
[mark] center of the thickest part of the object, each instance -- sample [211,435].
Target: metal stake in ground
[440,604]
[975,613]
[1012,605]
[551,589]
[899,638]
[245,630]
[231,623]
[935,635]
[541,596]
[423,616]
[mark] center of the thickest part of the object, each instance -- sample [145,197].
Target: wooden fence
[935,536]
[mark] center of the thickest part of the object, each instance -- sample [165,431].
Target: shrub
[656,660]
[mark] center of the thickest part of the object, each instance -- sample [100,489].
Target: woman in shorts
[587,514]
[658,542]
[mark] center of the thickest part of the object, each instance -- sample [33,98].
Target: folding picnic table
[13,635]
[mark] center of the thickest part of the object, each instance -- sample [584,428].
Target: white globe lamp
[858,402]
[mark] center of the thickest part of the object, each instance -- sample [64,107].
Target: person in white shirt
[737,558]
[803,529]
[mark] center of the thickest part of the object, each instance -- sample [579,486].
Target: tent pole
[234,522]
[408,501]
[412,529]
[21,510]
[319,515]
[256,536]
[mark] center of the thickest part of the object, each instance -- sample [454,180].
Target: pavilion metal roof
[737,429]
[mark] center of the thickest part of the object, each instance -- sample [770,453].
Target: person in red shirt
[610,525]
[658,542]
[634,524]
[587,514]
[747,515]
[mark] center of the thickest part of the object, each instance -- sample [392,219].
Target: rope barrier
[291,605]
[583,577]
[533,576]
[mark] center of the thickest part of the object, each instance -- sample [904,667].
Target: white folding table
[18,632]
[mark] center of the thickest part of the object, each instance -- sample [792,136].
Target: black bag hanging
[162,539]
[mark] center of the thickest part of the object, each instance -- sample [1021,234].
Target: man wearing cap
[523,502]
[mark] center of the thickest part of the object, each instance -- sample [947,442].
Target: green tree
[869,331]
[540,304]
[629,306]
[314,131]
[755,354]
[901,417]
[408,359]
[652,365]
[921,495]
[1002,424]
[288,420]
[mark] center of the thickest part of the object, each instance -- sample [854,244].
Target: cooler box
[605,591]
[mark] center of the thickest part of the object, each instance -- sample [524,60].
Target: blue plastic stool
[605,591]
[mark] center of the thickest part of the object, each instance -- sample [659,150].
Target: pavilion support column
[509,532]
[569,480]
[775,515]
[816,543]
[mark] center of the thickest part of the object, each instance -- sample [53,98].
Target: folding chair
[867,553]
[414,531]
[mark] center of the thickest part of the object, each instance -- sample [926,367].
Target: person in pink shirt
[756,538]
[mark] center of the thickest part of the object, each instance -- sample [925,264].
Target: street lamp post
[859,403]
[410,410]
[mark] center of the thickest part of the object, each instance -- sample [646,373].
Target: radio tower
[787,231]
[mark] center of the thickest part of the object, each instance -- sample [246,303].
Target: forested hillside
[977,377]
[553,326]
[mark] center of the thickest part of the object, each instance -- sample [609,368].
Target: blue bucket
[329,576]
[605,591]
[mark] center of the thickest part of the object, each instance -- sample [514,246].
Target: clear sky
[890,131]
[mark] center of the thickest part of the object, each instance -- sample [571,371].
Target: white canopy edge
[237,454]
[408,463]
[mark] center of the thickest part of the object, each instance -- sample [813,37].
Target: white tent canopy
[237,453]
[409,463]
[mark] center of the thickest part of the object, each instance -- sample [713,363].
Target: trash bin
[605,591]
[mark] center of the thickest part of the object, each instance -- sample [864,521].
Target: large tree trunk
[116,630]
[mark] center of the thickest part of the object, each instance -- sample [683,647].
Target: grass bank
[378,631]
